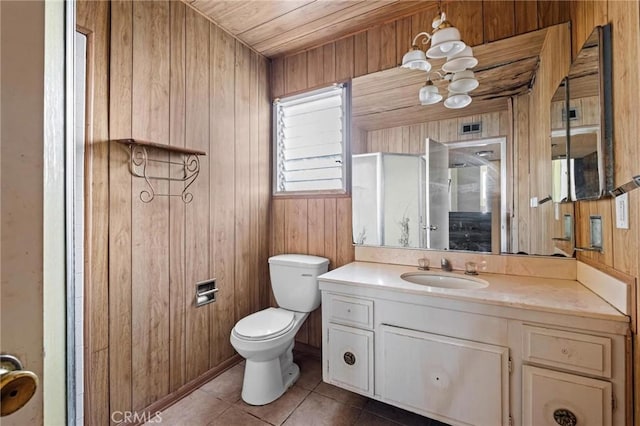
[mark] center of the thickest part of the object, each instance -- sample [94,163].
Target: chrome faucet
[445,265]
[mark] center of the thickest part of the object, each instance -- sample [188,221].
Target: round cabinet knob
[565,417]
[349,358]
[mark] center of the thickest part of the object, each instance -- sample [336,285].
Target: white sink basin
[443,280]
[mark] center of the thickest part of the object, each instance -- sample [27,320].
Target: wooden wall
[93,19]
[382,46]
[318,226]
[174,78]
[379,48]
[621,256]
[410,139]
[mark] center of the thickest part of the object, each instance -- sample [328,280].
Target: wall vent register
[471,128]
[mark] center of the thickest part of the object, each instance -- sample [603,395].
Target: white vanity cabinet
[467,362]
[551,397]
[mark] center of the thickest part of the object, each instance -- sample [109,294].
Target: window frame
[345,191]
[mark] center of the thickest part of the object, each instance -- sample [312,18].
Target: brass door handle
[17,385]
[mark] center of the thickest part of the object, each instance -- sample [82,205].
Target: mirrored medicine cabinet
[581,124]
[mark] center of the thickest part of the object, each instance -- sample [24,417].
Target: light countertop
[541,294]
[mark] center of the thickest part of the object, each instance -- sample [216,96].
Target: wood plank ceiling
[278,28]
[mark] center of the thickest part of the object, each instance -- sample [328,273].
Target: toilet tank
[294,280]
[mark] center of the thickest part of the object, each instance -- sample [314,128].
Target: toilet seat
[265,324]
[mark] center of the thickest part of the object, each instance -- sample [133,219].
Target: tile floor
[309,402]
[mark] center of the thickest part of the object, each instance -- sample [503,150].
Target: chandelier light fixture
[443,42]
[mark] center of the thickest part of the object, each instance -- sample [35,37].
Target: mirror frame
[605,143]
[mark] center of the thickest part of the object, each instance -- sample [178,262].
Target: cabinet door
[551,398]
[350,358]
[456,381]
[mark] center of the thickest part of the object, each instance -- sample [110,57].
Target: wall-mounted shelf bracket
[139,165]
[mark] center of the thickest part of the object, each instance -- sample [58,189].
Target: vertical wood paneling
[585,16]
[374,44]
[150,221]
[360,55]
[94,17]
[296,241]
[315,67]
[421,22]
[499,19]
[120,199]
[243,274]
[344,233]
[344,59]
[172,81]
[553,12]
[264,172]
[177,209]
[296,225]
[388,46]
[330,231]
[526,16]
[466,15]
[222,201]
[329,63]
[404,38]
[277,226]
[197,214]
[625,17]
[295,72]
[520,241]
[254,186]
[277,78]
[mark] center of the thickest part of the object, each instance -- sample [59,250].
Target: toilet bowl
[266,338]
[269,367]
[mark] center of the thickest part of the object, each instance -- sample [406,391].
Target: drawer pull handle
[349,358]
[564,351]
[565,417]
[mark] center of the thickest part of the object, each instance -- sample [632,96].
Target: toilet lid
[264,324]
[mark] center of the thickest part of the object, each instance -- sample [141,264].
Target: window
[311,142]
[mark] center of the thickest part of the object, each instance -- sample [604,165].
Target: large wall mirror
[581,116]
[439,178]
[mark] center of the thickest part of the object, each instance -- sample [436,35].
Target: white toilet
[265,339]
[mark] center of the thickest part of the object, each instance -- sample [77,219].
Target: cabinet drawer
[350,358]
[571,351]
[549,396]
[350,311]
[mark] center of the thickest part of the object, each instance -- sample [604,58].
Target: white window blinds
[311,141]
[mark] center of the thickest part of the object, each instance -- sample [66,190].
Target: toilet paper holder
[206,292]
[17,385]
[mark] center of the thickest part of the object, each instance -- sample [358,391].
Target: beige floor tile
[234,416]
[198,408]
[228,385]
[310,370]
[341,395]
[277,411]
[369,419]
[318,410]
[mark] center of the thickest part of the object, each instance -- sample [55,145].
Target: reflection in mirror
[589,118]
[460,193]
[447,198]
[559,145]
